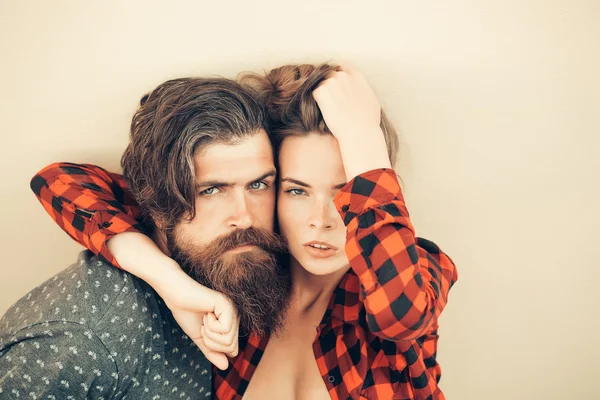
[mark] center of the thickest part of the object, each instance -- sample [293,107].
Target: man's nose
[241,217]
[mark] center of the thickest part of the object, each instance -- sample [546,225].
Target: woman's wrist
[364,151]
[140,256]
[137,254]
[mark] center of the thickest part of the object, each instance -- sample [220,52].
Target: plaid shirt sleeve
[90,204]
[404,280]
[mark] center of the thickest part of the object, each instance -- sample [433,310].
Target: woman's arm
[96,209]
[89,203]
[405,280]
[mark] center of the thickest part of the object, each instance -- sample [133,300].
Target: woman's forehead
[311,157]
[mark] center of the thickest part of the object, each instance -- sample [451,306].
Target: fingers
[322,93]
[219,360]
[225,317]
[334,85]
[223,322]
[226,343]
[226,328]
[209,341]
[223,339]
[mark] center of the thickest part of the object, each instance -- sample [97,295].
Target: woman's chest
[288,370]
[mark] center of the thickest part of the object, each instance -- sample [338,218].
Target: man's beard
[256,281]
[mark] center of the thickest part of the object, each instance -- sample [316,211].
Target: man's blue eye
[258,185]
[209,191]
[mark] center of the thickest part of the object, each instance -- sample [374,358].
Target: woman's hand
[206,316]
[352,113]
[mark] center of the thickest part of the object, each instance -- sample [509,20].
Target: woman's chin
[322,266]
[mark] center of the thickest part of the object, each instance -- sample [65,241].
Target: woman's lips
[318,249]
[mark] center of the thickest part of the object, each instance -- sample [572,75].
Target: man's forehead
[249,157]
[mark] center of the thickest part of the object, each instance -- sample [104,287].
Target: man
[200,165]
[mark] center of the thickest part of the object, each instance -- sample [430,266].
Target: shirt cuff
[367,190]
[103,226]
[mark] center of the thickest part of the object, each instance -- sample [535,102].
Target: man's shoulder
[93,318]
[84,293]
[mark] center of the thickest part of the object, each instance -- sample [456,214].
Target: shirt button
[331,379]
[345,208]
[106,224]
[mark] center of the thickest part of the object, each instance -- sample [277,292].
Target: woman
[362,323]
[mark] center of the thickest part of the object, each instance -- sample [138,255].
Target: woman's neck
[310,291]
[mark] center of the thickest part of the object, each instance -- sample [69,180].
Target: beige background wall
[498,104]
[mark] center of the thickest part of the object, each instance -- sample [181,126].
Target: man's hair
[171,124]
[292,111]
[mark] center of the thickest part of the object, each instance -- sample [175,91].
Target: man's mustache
[270,242]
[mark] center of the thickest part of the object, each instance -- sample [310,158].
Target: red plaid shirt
[378,337]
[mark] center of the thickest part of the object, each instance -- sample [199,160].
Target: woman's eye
[295,192]
[258,186]
[209,191]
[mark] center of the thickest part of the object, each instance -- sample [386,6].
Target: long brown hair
[286,93]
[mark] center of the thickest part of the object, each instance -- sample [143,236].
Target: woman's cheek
[284,214]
